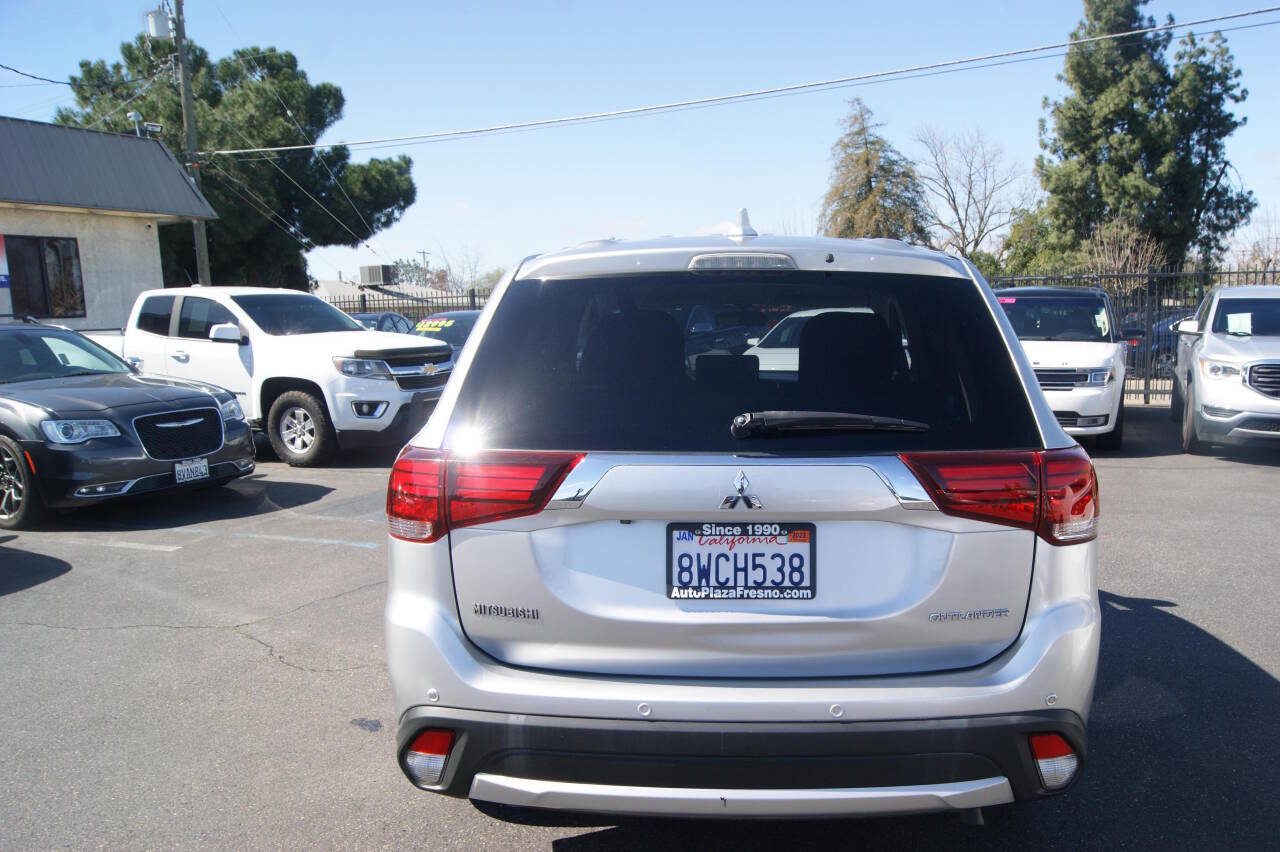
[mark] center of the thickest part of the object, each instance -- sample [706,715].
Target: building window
[44,276]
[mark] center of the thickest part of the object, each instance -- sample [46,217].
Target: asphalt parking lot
[208,671]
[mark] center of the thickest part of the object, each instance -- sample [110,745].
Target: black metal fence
[1152,302]
[413,307]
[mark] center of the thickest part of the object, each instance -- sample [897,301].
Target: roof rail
[27,318]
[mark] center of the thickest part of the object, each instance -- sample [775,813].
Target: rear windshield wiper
[756,424]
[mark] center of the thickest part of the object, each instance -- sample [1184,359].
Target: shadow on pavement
[376,457]
[255,494]
[1149,433]
[20,569]
[1181,752]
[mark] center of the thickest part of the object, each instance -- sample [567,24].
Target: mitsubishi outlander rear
[630,575]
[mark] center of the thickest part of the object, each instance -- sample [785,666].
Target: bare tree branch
[971,192]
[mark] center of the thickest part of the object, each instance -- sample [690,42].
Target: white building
[79,218]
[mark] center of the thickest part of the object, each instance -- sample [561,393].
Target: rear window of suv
[607,364]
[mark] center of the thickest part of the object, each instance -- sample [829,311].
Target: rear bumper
[742,769]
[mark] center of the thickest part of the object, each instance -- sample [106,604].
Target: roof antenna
[743,228]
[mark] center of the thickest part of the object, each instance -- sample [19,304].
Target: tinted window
[294,313]
[154,314]
[1247,316]
[451,328]
[603,364]
[1049,318]
[33,354]
[44,275]
[199,315]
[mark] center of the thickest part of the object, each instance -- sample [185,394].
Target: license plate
[740,561]
[191,470]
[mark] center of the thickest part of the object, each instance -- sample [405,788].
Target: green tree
[874,189]
[1036,246]
[271,207]
[1139,142]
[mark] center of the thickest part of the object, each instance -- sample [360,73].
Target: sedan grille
[1061,379]
[174,435]
[1265,379]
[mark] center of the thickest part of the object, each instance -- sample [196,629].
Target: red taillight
[1054,492]
[425,757]
[498,485]
[428,494]
[415,495]
[1069,511]
[999,487]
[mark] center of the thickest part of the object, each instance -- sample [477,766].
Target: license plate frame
[190,470]
[785,591]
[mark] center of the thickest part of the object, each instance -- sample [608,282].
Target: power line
[262,78]
[44,81]
[758,93]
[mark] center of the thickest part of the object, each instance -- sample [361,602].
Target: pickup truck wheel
[20,503]
[299,429]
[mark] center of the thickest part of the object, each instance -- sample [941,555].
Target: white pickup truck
[305,373]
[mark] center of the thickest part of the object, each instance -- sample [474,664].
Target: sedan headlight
[1102,376]
[77,431]
[231,409]
[1212,369]
[362,368]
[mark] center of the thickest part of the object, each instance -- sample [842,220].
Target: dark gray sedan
[79,426]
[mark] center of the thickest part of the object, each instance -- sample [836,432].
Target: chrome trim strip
[740,803]
[580,482]
[222,426]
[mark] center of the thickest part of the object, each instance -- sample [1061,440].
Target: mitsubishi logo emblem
[749,501]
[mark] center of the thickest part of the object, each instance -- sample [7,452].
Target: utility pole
[426,267]
[189,137]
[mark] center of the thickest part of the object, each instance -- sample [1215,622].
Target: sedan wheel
[20,503]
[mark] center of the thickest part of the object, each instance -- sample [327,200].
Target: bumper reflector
[425,758]
[1055,759]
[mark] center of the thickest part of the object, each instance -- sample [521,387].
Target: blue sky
[418,67]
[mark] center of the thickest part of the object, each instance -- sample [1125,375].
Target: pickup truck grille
[1265,379]
[1061,379]
[422,382]
[174,435]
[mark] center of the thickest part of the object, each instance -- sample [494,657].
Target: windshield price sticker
[740,561]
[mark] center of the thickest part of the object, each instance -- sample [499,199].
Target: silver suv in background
[1226,386]
[631,580]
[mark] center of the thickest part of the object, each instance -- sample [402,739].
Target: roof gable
[72,167]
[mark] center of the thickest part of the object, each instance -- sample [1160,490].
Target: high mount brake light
[429,493]
[1054,492]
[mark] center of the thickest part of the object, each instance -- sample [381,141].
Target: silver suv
[636,570]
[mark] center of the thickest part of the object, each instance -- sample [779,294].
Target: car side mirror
[1188,326]
[225,332]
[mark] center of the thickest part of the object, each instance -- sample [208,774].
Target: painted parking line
[124,545]
[302,539]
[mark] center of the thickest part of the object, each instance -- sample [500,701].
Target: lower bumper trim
[737,803]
